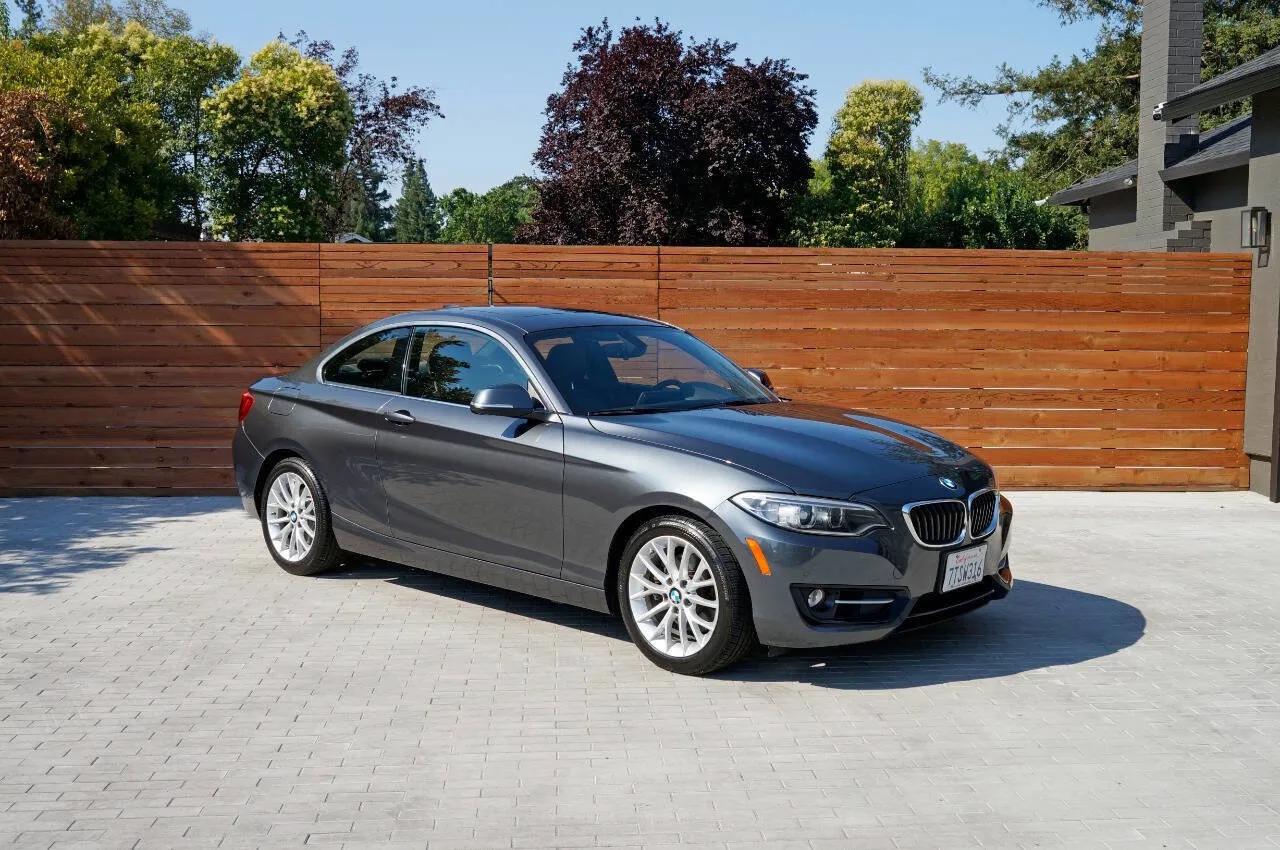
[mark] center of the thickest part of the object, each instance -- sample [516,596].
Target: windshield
[641,369]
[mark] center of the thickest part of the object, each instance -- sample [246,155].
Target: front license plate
[964,568]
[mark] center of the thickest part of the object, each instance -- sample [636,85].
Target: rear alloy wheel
[683,597]
[295,520]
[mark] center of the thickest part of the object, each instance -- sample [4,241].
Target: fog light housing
[1006,574]
[816,597]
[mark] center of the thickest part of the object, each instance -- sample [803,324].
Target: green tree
[1074,118]
[74,16]
[114,181]
[134,171]
[417,217]
[177,74]
[157,16]
[368,203]
[31,17]
[859,197]
[277,136]
[5,31]
[960,201]
[494,216]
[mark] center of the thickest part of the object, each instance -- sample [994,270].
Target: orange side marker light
[760,559]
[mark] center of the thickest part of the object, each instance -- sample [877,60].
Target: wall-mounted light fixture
[1255,227]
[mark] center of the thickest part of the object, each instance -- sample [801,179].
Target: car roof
[523,319]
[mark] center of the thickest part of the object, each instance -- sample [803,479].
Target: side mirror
[762,376]
[510,400]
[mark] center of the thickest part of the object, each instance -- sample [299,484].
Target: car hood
[812,449]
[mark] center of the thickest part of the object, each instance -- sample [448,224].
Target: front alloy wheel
[683,597]
[673,596]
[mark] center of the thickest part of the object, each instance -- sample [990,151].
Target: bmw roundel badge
[949,483]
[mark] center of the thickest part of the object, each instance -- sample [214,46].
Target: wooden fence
[121,364]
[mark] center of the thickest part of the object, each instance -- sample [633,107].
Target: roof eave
[1184,170]
[1076,196]
[1210,96]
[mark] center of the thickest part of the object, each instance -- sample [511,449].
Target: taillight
[246,404]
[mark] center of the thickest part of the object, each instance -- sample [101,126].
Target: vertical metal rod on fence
[490,274]
[657,307]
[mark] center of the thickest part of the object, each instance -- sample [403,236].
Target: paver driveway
[163,683]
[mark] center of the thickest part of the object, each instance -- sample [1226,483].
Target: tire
[293,491]
[687,590]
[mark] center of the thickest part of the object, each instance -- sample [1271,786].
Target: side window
[374,362]
[453,364]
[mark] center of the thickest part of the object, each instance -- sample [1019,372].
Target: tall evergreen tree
[362,203]
[417,217]
[31,15]
[375,214]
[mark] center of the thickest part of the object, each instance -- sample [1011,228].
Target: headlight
[811,515]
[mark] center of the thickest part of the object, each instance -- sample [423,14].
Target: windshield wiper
[623,411]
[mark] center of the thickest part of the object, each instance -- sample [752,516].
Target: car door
[489,487]
[338,419]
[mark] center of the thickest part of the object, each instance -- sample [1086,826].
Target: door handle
[400,417]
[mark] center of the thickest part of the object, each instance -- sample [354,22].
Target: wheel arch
[269,463]
[622,536]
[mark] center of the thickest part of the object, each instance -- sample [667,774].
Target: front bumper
[885,565]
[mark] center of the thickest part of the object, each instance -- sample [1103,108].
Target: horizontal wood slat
[97,435]
[121,364]
[933,358]
[962,320]
[152,315]
[265,358]
[31,480]
[86,294]
[977,340]
[145,456]
[982,378]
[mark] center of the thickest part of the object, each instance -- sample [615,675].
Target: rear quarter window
[374,362]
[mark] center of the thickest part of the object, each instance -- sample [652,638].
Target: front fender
[609,480]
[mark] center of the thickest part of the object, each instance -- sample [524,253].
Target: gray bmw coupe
[620,464]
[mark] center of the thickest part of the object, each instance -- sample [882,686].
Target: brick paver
[163,683]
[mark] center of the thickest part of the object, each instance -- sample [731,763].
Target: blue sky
[492,64]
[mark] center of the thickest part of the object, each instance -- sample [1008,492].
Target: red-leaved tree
[28,174]
[655,139]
